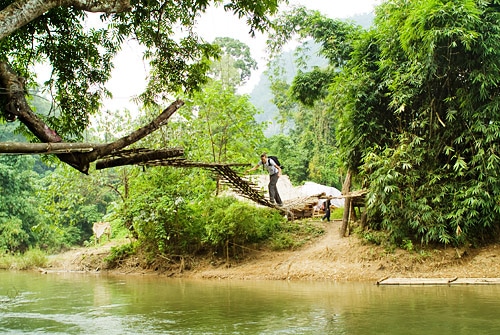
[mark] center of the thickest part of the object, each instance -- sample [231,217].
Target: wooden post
[363,219]
[346,187]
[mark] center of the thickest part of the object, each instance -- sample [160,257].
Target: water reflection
[66,303]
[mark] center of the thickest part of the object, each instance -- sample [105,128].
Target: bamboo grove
[416,104]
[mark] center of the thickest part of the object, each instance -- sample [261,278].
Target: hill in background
[262,96]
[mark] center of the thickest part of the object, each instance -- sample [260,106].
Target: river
[74,303]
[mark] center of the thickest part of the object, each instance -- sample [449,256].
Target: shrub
[239,223]
[12,235]
[295,234]
[120,253]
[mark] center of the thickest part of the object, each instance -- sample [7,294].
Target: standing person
[327,204]
[274,173]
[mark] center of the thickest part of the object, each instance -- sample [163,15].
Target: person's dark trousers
[273,190]
[327,214]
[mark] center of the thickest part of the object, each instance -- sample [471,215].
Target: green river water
[71,303]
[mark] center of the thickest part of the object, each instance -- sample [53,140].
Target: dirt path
[348,259]
[323,258]
[328,257]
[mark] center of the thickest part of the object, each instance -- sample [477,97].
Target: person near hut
[274,174]
[327,205]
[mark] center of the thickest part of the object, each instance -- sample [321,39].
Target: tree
[216,124]
[18,204]
[72,202]
[52,32]
[235,66]
[335,37]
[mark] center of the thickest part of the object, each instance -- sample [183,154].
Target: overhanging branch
[15,105]
[46,148]
[22,12]
[139,134]
[138,157]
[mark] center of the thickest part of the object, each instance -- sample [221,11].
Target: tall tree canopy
[81,59]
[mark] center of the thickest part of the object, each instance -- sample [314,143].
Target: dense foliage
[431,156]
[17,210]
[411,106]
[416,99]
[181,217]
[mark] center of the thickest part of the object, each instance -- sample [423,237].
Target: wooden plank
[476,281]
[415,281]
[438,281]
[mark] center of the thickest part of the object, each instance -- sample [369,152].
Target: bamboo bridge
[227,175]
[293,209]
[299,208]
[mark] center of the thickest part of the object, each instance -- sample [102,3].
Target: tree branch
[21,12]
[15,105]
[139,158]
[46,148]
[140,133]
[104,6]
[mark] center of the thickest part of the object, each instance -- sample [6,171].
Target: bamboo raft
[438,281]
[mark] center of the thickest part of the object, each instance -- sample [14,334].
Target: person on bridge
[274,173]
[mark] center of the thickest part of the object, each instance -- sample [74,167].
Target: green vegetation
[161,208]
[80,56]
[409,106]
[337,213]
[415,100]
[429,153]
[295,234]
[120,253]
[32,258]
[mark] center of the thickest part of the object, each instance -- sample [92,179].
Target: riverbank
[327,257]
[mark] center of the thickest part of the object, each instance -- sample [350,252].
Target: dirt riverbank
[327,257]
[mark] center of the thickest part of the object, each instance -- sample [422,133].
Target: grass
[295,234]
[337,213]
[31,259]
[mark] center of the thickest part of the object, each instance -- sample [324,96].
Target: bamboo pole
[47,148]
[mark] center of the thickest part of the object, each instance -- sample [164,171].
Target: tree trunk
[363,219]
[16,106]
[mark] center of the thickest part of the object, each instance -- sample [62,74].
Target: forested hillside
[262,95]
